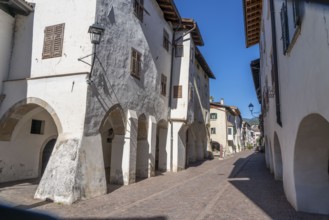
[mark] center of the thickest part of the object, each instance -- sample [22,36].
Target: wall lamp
[96,32]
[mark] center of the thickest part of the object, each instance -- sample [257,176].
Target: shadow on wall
[251,177]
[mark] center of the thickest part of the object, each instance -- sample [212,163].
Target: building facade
[291,82]
[82,116]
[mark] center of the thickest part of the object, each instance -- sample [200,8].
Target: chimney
[222,101]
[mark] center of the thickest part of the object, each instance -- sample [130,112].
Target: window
[213,130]
[290,23]
[285,27]
[135,65]
[177,92]
[37,126]
[179,51]
[163,85]
[229,131]
[213,115]
[139,9]
[53,41]
[296,12]
[192,55]
[166,40]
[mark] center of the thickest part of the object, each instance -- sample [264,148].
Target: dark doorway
[46,154]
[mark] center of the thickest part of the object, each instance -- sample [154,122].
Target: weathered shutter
[284,26]
[296,11]
[58,40]
[135,66]
[163,84]
[48,42]
[177,92]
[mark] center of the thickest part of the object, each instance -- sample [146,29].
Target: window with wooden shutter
[166,40]
[53,41]
[177,92]
[135,65]
[285,27]
[163,85]
[139,9]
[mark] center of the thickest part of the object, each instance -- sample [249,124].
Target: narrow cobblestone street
[239,187]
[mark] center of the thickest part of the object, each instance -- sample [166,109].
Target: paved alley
[239,187]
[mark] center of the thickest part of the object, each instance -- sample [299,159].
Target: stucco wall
[303,82]
[220,125]
[6,34]
[77,15]
[21,157]
[115,85]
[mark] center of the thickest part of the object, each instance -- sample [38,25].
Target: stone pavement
[239,187]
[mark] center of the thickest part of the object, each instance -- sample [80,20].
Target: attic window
[37,126]
[53,41]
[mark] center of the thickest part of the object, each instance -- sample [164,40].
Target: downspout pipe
[171,84]
[275,66]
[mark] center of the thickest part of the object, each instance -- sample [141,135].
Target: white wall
[21,157]
[6,34]
[77,16]
[220,125]
[303,82]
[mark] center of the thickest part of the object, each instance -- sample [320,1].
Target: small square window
[213,130]
[179,51]
[37,126]
[213,116]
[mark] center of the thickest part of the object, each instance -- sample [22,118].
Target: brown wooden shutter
[135,63]
[48,42]
[58,40]
[53,41]
[177,92]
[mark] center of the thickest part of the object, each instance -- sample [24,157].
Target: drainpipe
[275,66]
[171,83]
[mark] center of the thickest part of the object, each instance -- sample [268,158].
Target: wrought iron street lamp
[96,32]
[251,107]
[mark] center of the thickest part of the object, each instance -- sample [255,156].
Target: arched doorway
[278,168]
[46,153]
[161,156]
[24,130]
[142,148]
[311,158]
[112,131]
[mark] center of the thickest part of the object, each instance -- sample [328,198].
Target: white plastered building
[80,116]
[292,81]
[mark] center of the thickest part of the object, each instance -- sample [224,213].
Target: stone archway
[112,132]
[24,130]
[311,169]
[278,167]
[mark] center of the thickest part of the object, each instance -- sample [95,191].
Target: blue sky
[222,27]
